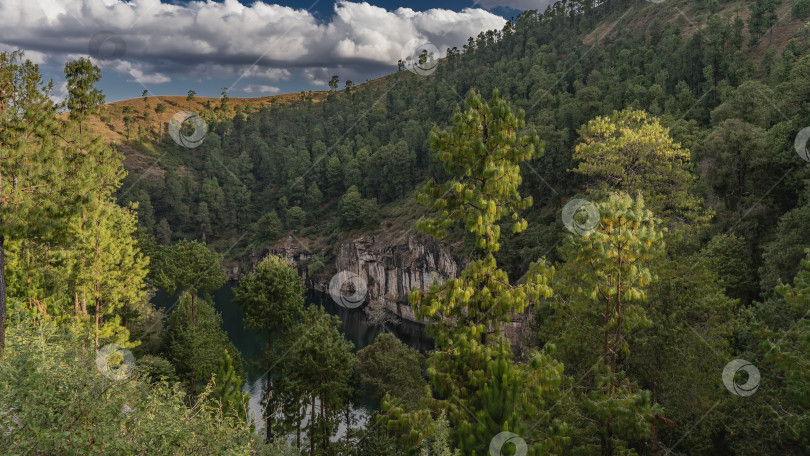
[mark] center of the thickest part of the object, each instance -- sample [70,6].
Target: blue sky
[252,48]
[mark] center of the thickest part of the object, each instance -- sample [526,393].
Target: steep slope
[321,170]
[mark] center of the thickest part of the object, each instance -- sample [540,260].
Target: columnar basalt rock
[390,269]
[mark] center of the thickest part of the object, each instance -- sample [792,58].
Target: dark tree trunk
[98,321]
[300,413]
[2,296]
[268,418]
[193,309]
[312,429]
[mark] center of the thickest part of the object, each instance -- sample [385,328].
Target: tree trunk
[76,298]
[618,312]
[193,308]
[300,414]
[312,428]
[2,295]
[98,320]
[348,422]
[654,428]
[324,435]
[268,418]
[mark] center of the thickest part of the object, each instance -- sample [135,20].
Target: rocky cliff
[390,269]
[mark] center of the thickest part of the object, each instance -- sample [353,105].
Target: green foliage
[268,228]
[163,232]
[472,369]
[801,9]
[688,309]
[69,242]
[190,266]
[631,152]
[783,254]
[727,257]
[777,343]
[194,342]
[271,299]
[228,390]
[83,98]
[157,369]
[389,367]
[320,363]
[58,403]
[708,93]
[295,218]
[482,149]
[272,296]
[356,212]
[602,287]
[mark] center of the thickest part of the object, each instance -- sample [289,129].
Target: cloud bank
[151,41]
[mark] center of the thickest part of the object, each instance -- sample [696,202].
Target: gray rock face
[392,270]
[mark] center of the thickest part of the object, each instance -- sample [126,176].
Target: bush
[55,401]
[157,369]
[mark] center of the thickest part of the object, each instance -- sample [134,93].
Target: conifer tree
[321,364]
[602,288]
[271,299]
[228,390]
[83,98]
[631,152]
[44,179]
[190,266]
[472,369]
[194,342]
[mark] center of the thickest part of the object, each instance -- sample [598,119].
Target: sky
[252,48]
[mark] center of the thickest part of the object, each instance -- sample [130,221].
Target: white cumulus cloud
[208,39]
[260,88]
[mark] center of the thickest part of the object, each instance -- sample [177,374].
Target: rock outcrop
[389,269]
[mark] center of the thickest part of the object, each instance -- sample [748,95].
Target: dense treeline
[689,254]
[321,164]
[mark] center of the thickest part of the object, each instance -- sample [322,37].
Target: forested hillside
[705,69]
[630,177]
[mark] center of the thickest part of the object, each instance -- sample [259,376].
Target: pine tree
[631,152]
[602,289]
[194,341]
[321,364]
[83,98]
[43,179]
[190,266]
[271,299]
[228,390]
[472,368]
